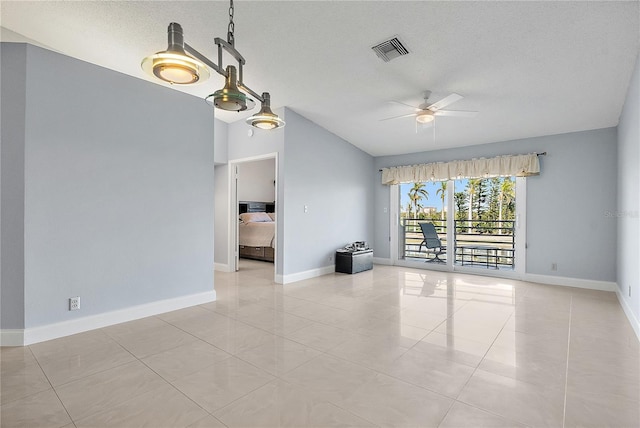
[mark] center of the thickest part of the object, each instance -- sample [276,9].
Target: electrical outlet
[74,303]
[554,266]
[629,291]
[330,258]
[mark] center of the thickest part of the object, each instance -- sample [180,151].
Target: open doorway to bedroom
[253,207]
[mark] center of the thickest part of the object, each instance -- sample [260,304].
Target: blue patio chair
[431,242]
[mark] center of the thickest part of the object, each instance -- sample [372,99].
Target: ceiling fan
[425,113]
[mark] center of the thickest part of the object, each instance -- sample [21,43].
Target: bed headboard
[256,207]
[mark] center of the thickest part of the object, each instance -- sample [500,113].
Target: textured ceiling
[528,68]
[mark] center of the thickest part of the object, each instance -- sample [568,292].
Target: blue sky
[431,187]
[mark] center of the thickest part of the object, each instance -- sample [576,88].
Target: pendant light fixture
[230,98]
[265,118]
[181,64]
[174,65]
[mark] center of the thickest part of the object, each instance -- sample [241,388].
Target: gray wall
[628,193]
[118,190]
[335,180]
[255,181]
[320,170]
[221,194]
[13,63]
[221,214]
[220,138]
[566,204]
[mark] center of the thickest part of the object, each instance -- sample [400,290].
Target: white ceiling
[529,68]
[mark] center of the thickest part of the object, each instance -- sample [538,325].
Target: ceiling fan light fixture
[265,118]
[425,117]
[174,65]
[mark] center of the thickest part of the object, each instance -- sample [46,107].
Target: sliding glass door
[478,224]
[423,203]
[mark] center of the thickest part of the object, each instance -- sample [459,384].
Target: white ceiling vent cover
[390,49]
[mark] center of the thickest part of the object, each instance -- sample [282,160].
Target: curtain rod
[537,154]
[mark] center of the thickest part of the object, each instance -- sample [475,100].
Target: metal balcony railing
[478,243]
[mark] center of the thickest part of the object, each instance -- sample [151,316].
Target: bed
[256,233]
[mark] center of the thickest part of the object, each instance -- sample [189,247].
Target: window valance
[501,166]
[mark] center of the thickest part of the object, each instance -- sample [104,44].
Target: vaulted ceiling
[528,68]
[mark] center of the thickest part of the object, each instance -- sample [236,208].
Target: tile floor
[388,347]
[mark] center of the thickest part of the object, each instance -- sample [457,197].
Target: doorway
[253,184]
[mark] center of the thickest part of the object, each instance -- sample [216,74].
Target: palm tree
[443,193]
[415,195]
[472,186]
[409,209]
[507,194]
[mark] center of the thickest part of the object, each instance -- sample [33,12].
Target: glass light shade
[265,121]
[425,117]
[225,99]
[230,98]
[175,67]
[265,118]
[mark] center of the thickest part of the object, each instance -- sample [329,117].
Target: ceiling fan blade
[399,117]
[445,102]
[454,113]
[403,104]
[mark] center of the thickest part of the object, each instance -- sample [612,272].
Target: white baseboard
[11,337]
[221,267]
[571,282]
[542,279]
[635,323]
[92,322]
[299,276]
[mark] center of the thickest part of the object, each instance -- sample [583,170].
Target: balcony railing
[479,243]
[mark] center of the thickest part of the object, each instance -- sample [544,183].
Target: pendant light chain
[230,37]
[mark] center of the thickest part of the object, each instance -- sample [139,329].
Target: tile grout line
[275,377]
[453,399]
[475,369]
[566,373]
[472,374]
[30,394]
[170,383]
[325,353]
[52,387]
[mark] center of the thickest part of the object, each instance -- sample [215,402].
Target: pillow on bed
[272,216]
[255,217]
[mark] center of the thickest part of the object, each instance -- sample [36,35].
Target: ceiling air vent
[390,49]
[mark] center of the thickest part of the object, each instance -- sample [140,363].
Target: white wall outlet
[554,266]
[629,291]
[330,258]
[306,208]
[74,303]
